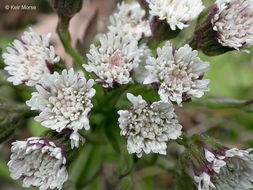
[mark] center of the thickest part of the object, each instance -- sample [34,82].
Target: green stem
[219,102]
[63,32]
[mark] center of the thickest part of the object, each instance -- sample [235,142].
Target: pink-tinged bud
[226,26]
[215,167]
[38,162]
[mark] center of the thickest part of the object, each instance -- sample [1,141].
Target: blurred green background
[231,80]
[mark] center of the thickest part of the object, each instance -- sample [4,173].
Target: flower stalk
[63,32]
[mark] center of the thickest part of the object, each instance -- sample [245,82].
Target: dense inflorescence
[178,73]
[148,127]
[233,22]
[133,57]
[64,102]
[38,162]
[30,58]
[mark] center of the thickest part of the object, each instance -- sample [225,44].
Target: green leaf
[118,142]
[126,163]
[221,102]
[89,164]
[126,183]
[11,115]
[113,135]
[248,108]
[9,120]
[7,128]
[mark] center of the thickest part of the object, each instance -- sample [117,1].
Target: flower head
[64,101]
[215,167]
[148,127]
[129,21]
[178,73]
[38,162]
[29,59]
[231,169]
[176,12]
[114,59]
[233,22]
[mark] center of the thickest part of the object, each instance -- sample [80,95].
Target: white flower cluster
[114,59]
[234,23]
[231,170]
[38,163]
[64,101]
[148,128]
[129,21]
[29,59]
[176,12]
[118,56]
[178,73]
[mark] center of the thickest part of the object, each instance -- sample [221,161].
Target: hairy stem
[63,32]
